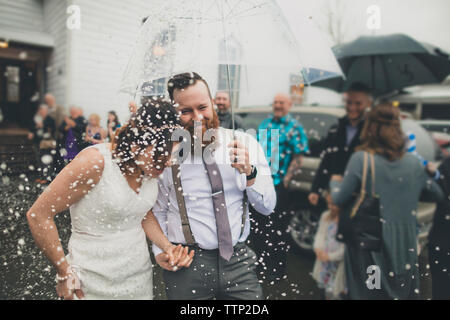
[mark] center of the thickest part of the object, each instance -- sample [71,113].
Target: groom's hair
[184,80]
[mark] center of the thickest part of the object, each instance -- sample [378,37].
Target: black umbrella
[388,64]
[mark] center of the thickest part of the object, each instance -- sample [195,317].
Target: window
[161,62]
[12,84]
[155,87]
[229,56]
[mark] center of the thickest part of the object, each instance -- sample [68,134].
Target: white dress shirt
[198,200]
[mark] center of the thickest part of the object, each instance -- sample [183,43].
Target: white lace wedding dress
[108,245]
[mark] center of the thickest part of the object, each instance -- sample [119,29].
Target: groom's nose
[197,116]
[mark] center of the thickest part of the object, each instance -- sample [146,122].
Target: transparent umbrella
[246,47]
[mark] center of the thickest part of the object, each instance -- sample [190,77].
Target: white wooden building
[78,51]
[81,64]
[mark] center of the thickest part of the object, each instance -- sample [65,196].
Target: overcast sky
[424,20]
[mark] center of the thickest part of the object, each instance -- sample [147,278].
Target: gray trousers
[211,277]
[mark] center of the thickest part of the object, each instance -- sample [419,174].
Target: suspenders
[187,231]
[188,235]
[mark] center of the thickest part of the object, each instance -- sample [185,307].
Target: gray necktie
[220,211]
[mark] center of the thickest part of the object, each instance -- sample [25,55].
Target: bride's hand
[68,287]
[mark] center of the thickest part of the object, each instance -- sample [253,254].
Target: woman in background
[94,132]
[400,179]
[113,124]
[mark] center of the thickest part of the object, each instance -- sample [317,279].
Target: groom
[203,203]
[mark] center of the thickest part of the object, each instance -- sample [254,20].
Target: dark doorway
[18,86]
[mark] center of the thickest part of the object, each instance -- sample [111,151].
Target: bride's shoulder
[90,158]
[85,171]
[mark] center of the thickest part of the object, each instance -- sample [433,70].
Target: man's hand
[30,136]
[175,257]
[313,198]
[239,157]
[432,168]
[287,180]
[69,123]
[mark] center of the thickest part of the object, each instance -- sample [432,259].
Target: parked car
[443,141]
[442,126]
[316,122]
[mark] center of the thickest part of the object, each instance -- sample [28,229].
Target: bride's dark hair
[151,125]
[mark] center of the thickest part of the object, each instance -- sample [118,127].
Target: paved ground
[26,274]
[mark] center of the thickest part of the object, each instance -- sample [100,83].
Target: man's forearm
[295,164]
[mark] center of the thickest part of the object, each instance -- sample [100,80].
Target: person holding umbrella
[341,141]
[202,202]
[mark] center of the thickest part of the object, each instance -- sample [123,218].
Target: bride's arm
[177,255]
[154,232]
[71,184]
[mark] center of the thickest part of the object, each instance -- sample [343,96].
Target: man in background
[43,134]
[341,141]
[223,104]
[55,111]
[73,129]
[284,159]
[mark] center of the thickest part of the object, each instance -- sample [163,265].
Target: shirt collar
[284,119]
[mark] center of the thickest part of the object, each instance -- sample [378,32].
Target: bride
[110,190]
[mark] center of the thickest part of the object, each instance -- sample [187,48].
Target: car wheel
[303,227]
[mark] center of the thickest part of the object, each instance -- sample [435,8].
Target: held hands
[175,257]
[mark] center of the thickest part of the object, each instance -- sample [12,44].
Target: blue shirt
[284,138]
[351,133]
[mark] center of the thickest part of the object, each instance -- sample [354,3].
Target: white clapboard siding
[55,24]
[22,14]
[100,53]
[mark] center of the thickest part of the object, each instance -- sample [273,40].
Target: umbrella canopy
[245,47]
[388,63]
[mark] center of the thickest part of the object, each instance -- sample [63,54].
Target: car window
[253,120]
[436,127]
[316,126]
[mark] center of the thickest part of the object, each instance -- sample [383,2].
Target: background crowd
[60,137]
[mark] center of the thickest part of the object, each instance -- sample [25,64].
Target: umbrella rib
[388,81]
[231,8]
[239,13]
[227,63]
[212,5]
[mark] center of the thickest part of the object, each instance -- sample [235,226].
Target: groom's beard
[206,124]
